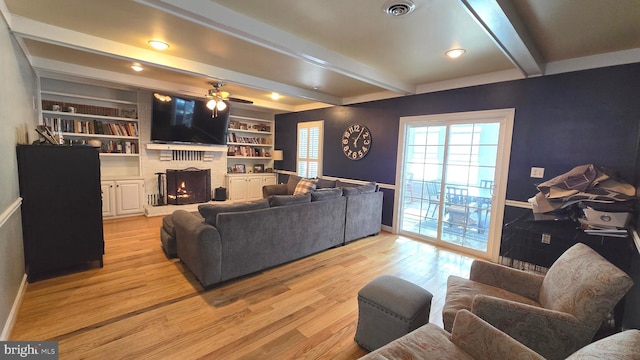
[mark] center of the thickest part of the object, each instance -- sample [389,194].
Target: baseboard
[387,228]
[11,319]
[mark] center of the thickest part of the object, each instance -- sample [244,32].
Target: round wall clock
[356,141]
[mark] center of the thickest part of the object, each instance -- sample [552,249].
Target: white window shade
[309,157]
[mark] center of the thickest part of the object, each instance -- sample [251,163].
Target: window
[309,158]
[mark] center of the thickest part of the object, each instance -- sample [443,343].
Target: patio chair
[459,208]
[433,192]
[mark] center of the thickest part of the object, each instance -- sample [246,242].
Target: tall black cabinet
[61,207]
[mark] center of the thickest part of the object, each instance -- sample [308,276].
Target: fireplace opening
[188,186]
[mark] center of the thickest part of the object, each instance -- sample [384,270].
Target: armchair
[555,314]
[474,338]
[471,338]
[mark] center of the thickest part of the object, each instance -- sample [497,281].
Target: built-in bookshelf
[249,143]
[100,116]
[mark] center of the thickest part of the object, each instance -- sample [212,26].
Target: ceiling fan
[218,98]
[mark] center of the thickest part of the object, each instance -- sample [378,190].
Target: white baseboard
[11,319]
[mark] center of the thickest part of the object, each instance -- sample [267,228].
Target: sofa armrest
[277,189]
[479,339]
[552,334]
[510,279]
[199,247]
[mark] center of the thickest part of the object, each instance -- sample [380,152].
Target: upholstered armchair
[555,314]
[471,338]
[474,338]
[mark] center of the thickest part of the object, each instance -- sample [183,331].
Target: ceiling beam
[214,16]
[500,20]
[30,29]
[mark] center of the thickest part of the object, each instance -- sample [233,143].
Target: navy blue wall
[561,121]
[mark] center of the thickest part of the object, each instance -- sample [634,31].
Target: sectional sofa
[225,241]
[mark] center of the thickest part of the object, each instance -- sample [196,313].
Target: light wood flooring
[141,305]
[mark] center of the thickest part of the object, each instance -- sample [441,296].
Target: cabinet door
[238,188]
[129,196]
[269,180]
[254,188]
[108,198]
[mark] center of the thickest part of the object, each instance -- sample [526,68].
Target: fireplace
[188,186]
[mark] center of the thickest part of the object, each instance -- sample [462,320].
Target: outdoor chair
[459,208]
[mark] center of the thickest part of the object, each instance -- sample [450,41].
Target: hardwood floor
[141,305]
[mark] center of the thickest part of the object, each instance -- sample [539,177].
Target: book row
[247,151]
[232,137]
[91,127]
[109,146]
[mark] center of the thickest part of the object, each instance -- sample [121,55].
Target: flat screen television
[182,120]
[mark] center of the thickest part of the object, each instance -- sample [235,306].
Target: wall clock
[356,141]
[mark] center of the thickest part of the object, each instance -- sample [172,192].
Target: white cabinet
[108,198]
[248,187]
[122,197]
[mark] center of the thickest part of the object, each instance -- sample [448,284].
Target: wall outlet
[546,238]
[537,172]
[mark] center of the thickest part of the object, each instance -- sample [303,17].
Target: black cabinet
[61,207]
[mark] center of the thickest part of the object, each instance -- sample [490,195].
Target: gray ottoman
[168,237]
[389,308]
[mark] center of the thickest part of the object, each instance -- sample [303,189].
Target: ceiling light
[455,53]
[398,7]
[217,98]
[158,45]
[275,96]
[137,67]
[163,98]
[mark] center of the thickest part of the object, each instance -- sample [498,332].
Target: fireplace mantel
[169,152]
[187,147]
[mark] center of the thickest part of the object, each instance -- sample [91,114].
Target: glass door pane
[448,178]
[424,157]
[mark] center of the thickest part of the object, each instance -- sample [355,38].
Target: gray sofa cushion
[283,200]
[324,183]
[360,189]
[326,194]
[210,211]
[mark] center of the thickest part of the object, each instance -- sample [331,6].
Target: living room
[561,120]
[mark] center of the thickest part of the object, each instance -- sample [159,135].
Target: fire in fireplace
[188,186]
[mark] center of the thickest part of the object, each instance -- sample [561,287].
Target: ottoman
[168,237]
[389,308]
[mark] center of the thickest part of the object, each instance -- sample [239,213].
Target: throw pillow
[326,194]
[283,200]
[210,211]
[304,186]
[292,182]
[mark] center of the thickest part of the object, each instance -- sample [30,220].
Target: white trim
[13,314]
[506,119]
[8,212]
[518,204]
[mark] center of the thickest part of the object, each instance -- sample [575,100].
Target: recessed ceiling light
[275,96]
[158,45]
[455,53]
[137,67]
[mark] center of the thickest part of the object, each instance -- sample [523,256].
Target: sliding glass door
[452,167]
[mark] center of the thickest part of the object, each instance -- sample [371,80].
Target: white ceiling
[321,52]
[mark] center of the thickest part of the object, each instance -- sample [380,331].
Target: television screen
[183,120]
